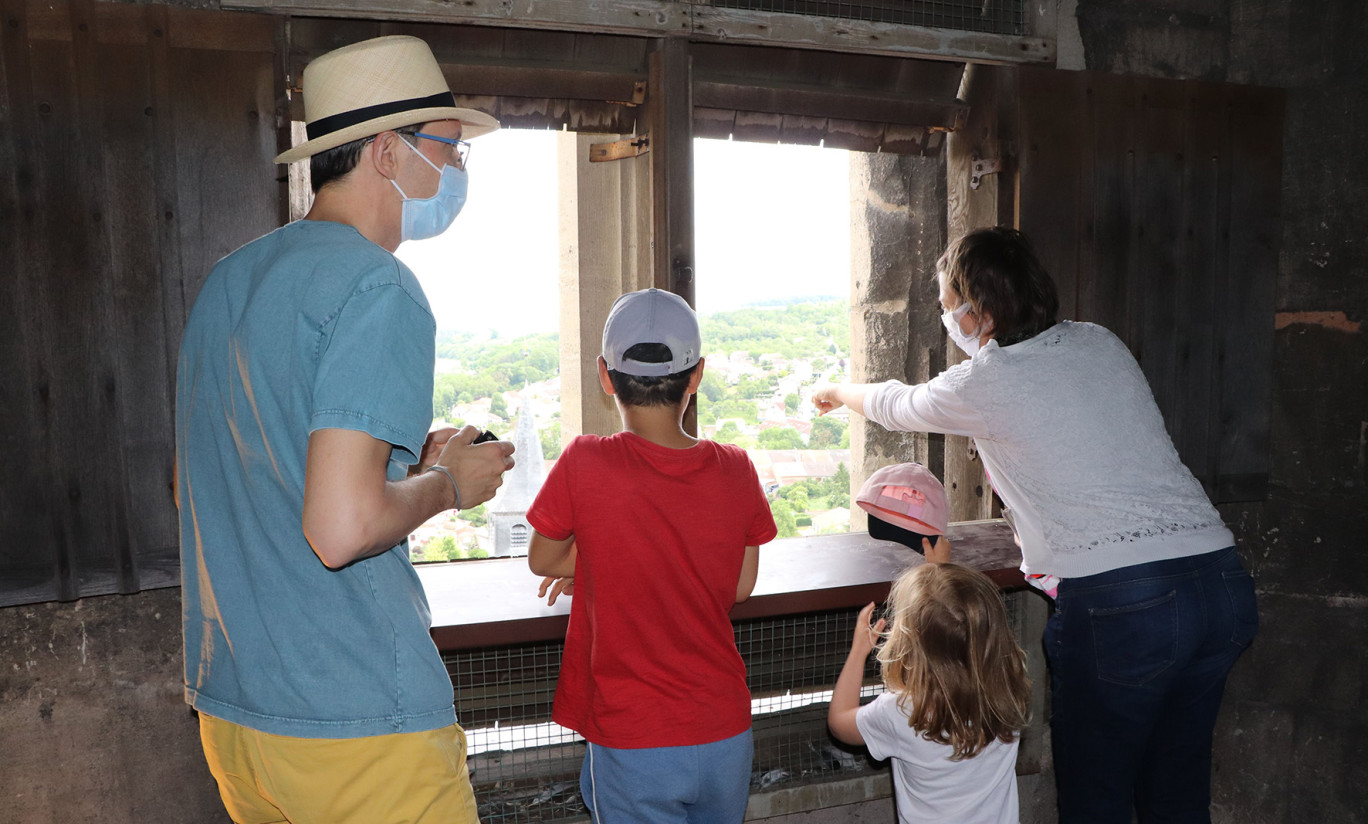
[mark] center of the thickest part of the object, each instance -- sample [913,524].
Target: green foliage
[750,387]
[781,438]
[551,441]
[441,548]
[730,433]
[827,432]
[476,552]
[498,406]
[795,330]
[791,401]
[711,388]
[475,516]
[745,410]
[510,364]
[797,496]
[784,518]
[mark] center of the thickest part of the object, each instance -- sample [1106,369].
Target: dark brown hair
[336,163]
[950,656]
[650,390]
[997,271]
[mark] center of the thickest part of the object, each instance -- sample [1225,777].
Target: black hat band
[337,122]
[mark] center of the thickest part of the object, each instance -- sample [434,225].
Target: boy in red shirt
[660,532]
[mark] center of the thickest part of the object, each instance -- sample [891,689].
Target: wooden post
[669,115]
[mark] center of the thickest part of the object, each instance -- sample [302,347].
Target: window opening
[772,229]
[491,280]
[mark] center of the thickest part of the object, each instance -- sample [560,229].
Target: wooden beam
[897,40]
[844,104]
[699,21]
[647,18]
[669,113]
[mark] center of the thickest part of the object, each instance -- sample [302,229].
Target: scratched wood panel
[131,131]
[1203,264]
[1105,290]
[1178,189]
[1246,297]
[1156,271]
[26,560]
[134,303]
[1056,216]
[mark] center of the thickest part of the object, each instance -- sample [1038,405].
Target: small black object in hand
[485,436]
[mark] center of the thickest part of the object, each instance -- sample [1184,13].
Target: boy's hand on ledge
[557,586]
[939,553]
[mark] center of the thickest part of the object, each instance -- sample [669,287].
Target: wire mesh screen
[990,16]
[526,768]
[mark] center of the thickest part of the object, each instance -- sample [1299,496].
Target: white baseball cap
[651,316]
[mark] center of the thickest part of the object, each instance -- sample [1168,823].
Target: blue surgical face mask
[968,343]
[430,216]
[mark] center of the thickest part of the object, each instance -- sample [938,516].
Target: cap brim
[884,531]
[473,124]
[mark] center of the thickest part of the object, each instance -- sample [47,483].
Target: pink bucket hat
[906,496]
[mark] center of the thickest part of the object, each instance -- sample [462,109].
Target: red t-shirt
[650,656]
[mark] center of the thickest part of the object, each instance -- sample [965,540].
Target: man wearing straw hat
[303,461]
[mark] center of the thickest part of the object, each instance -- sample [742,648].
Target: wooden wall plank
[1053,216]
[109,553]
[1156,272]
[1247,296]
[1201,267]
[26,562]
[66,359]
[1177,248]
[1104,297]
[125,184]
[135,302]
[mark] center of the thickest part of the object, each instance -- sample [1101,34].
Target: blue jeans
[703,784]
[1138,661]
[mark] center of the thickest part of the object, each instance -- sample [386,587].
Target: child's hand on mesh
[866,636]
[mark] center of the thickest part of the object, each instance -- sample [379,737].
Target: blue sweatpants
[702,784]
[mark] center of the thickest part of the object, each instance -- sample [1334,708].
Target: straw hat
[368,87]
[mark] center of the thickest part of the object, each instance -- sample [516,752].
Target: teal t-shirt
[310,327]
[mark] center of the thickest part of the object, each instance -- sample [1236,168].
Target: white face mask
[430,216]
[967,342]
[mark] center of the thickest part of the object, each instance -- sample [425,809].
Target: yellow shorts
[408,778]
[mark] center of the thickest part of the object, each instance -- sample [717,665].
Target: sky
[770,221]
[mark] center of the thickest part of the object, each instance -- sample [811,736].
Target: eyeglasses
[462,146]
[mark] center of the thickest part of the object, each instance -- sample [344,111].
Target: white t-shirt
[929,787]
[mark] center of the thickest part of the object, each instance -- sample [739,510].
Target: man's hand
[939,553]
[558,587]
[478,470]
[432,448]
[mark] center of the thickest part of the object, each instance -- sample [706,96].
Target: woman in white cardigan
[1152,603]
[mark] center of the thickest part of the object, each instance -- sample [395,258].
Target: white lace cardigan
[1074,445]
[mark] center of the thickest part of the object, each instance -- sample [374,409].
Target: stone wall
[93,721]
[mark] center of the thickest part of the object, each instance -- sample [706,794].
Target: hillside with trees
[762,361]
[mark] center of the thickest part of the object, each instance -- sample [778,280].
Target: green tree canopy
[784,518]
[826,432]
[781,438]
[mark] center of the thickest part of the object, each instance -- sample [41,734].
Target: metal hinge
[620,149]
[982,167]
